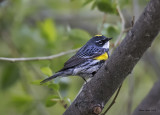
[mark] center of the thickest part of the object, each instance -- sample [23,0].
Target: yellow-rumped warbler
[87,61]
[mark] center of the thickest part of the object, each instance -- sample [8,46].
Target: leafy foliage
[52,100]
[48,30]
[47,71]
[107,6]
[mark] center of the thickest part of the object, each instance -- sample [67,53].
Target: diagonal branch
[37,58]
[114,100]
[96,93]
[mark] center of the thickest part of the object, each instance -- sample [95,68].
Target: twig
[133,20]
[102,25]
[37,58]
[114,100]
[123,30]
[122,27]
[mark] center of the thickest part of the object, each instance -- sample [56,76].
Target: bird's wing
[73,61]
[79,58]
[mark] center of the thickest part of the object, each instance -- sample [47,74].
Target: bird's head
[100,41]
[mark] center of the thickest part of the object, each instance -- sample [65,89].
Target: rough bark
[96,93]
[151,104]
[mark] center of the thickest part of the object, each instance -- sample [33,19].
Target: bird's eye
[100,42]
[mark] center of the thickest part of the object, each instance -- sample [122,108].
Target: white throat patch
[106,45]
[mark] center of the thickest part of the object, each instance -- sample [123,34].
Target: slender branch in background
[114,100]
[122,23]
[122,27]
[102,25]
[37,58]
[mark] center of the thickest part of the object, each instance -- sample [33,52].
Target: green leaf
[52,100]
[49,30]
[54,86]
[111,30]
[107,6]
[36,82]
[47,71]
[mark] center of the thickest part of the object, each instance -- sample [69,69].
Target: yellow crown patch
[98,35]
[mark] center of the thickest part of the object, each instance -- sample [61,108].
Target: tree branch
[101,87]
[37,58]
[151,104]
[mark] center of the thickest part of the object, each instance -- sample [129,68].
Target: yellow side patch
[98,35]
[102,57]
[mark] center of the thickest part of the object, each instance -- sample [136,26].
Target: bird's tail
[51,77]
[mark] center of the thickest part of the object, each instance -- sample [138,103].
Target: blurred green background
[35,28]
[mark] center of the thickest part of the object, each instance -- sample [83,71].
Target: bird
[87,61]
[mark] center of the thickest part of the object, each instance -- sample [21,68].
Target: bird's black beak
[106,39]
[109,39]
